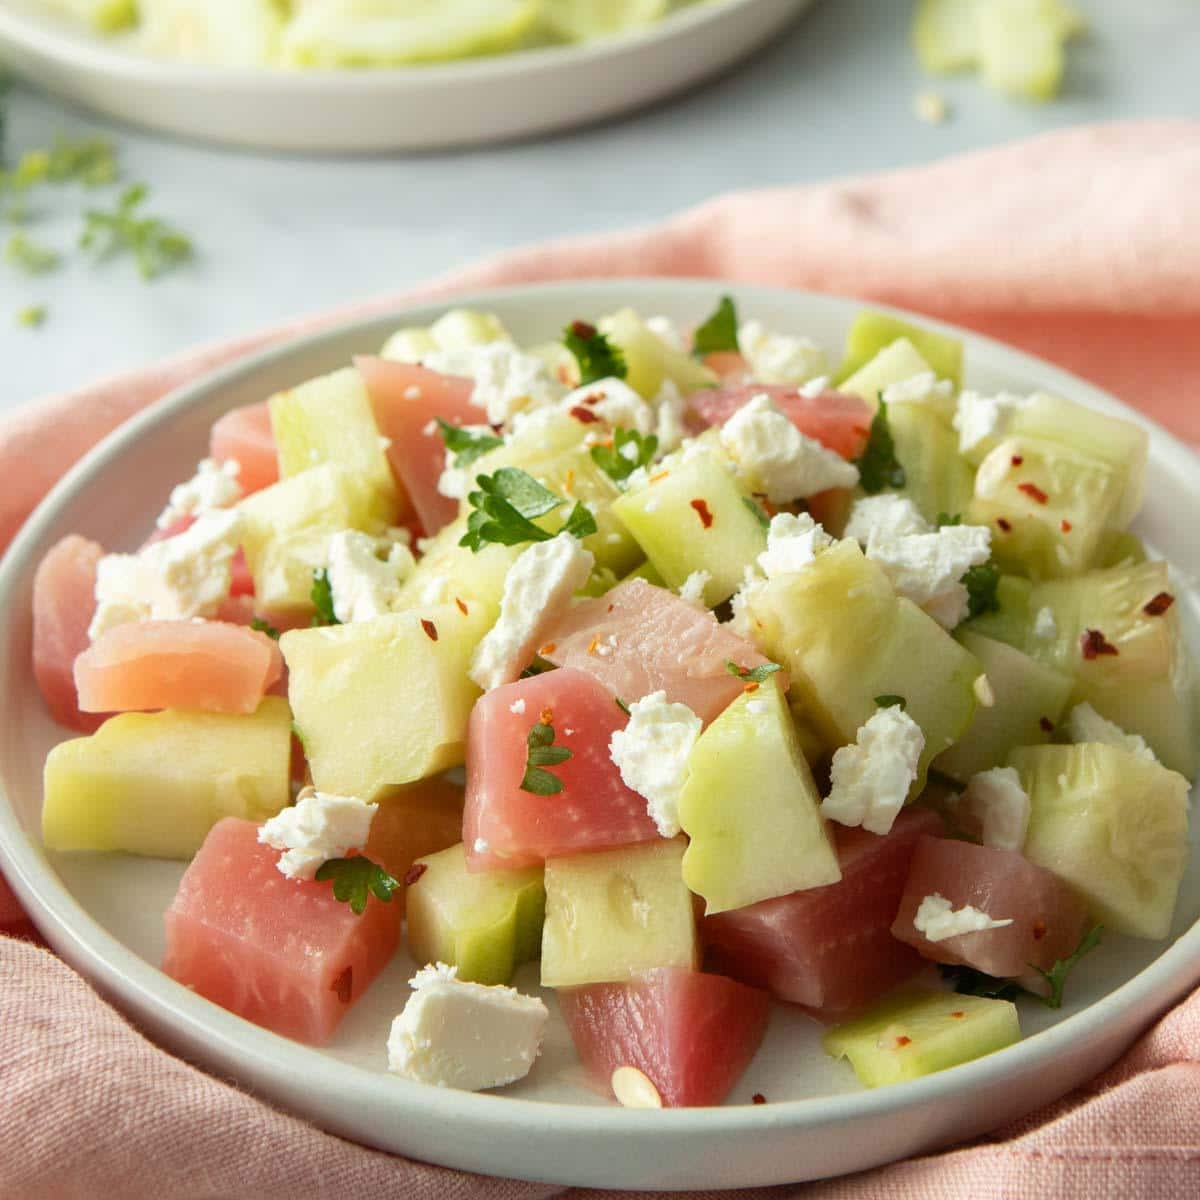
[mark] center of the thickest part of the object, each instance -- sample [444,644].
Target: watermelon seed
[634,1089]
[414,873]
[758,1098]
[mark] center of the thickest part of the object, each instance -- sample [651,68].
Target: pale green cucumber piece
[937,478]
[584,20]
[920,1031]
[1012,620]
[1030,699]
[741,853]
[106,16]
[458,329]
[647,572]
[872,331]
[1162,711]
[692,516]
[1119,548]
[896,362]
[1021,46]
[1113,825]
[1047,505]
[945,35]
[351,33]
[233,33]
[484,923]
[649,361]
[846,638]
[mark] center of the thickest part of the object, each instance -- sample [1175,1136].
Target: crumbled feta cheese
[995,806]
[938,919]
[667,331]
[792,543]
[982,419]
[670,407]
[363,584]
[537,590]
[215,485]
[507,381]
[1045,627]
[465,1035]
[872,777]
[884,518]
[652,754]
[517,706]
[918,389]
[456,482]
[777,357]
[742,623]
[692,588]
[776,459]
[1085,724]
[178,578]
[614,402]
[814,387]
[318,827]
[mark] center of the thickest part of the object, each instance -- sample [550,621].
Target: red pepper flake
[1017,459]
[1159,605]
[546,716]
[659,476]
[1005,524]
[758,1098]
[1065,525]
[583,329]
[584,416]
[593,643]
[703,512]
[903,1041]
[959,1014]
[611,607]
[1093,644]
[343,985]
[430,629]
[462,605]
[1039,930]
[414,873]
[1047,725]
[593,398]
[751,686]
[548,648]
[1035,492]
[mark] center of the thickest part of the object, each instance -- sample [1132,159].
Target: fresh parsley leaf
[261,626]
[580,523]
[90,161]
[322,598]
[759,674]
[505,505]
[465,445]
[597,357]
[1056,977]
[355,879]
[31,316]
[969,982]
[945,519]
[982,583]
[623,706]
[755,509]
[27,255]
[543,753]
[888,700]
[629,451]
[878,467]
[155,246]
[719,333]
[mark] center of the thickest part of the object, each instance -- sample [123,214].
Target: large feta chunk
[537,591]
[981,420]
[365,575]
[318,827]
[792,543]
[871,778]
[214,485]
[1085,724]
[776,459]
[612,401]
[652,753]
[995,806]
[465,1035]
[884,518]
[507,380]
[779,358]
[937,919]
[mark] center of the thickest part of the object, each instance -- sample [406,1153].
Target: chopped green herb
[355,879]
[90,161]
[31,316]
[261,626]
[719,333]
[623,706]
[597,357]
[878,466]
[970,982]
[543,753]
[757,512]
[322,598]
[982,583]
[155,246]
[891,701]
[1056,977]
[945,519]
[759,674]
[629,451]
[29,256]
[504,508]
[465,445]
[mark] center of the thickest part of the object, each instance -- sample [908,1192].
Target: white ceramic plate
[103,913]
[414,108]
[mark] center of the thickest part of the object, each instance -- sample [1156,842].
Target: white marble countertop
[281,236]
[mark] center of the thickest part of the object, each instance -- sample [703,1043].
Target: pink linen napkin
[1082,246]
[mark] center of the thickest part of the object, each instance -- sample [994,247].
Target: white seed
[984,693]
[633,1089]
[930,107]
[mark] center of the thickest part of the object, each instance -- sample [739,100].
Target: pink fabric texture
[1081,246]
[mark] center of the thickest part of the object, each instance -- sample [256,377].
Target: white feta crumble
[670,408]
[652,753]
[884,518]
[814,387]
[918,389]
[692,588]
[537,590]
[667,331]
[362,583]
[995,806]
[318,827]
[982,419]
[507,381]
[742,623]
[614,402]
[776,459]
[1085,724]
[937,919]
[178,578]
[778,357]
[792,543]
[517,707]
[465,1035]
[214,485]
[456,482]
[871,778]
[1045,626]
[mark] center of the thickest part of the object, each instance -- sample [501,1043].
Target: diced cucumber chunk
[649,361]
[873,331]
[107,16]
[1113,825]
[896,362]
[1119,548]
[945,35]
[1021,46]
[458,329]
[937,478]
[234,33]
[919,1032]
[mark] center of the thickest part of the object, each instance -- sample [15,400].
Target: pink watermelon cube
[638,638]
[829,948]
[1048,918]
[245,435]
[691,1034]
[280,952]
[506,825]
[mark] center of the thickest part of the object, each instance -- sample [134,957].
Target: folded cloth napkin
[1081,246]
